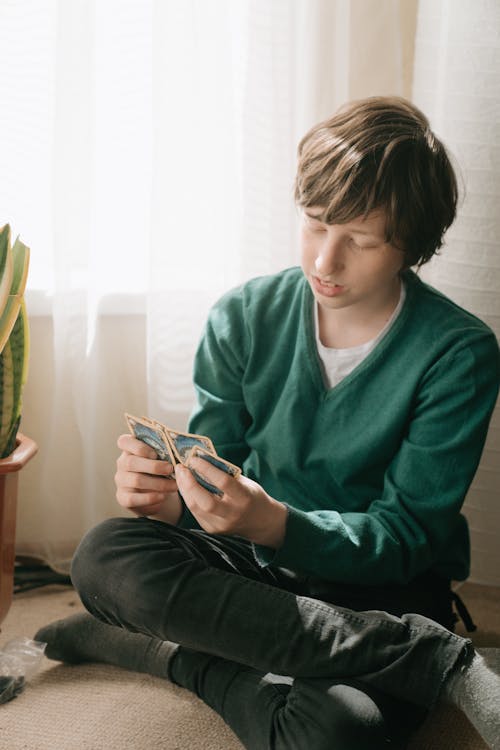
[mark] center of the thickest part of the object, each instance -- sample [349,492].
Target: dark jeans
[284,668]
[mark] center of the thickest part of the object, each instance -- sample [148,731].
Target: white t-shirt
[337,363]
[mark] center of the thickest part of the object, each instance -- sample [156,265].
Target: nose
[331,254]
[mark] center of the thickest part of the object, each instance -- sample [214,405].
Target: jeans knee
[357,722]
[340,716]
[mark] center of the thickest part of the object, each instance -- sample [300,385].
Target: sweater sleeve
[219,410]
[219,367]
[415,522]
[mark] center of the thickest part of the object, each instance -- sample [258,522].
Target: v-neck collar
[371,358]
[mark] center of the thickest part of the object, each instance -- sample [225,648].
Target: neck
[358,323]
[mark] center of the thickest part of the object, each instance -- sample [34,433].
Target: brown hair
[380,153]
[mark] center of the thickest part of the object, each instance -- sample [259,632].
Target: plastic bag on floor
[19,660]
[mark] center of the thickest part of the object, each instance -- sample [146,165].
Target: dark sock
[83,638]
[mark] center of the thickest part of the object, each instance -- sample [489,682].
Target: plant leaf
[8,317]
[6,395]
[21,261]
[6,266]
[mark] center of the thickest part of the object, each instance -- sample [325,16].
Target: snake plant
[14,336]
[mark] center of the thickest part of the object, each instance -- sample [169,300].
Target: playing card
[217,461]
[152,434]
[183,442]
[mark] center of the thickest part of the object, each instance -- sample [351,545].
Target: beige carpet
[96,707]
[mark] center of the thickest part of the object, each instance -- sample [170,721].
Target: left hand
[245,509]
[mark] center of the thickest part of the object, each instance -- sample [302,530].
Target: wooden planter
[9,475]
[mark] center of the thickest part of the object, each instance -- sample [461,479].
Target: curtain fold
[457,83]
[147,150]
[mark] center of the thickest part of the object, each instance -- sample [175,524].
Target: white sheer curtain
[147,153]
[457,83]
[251,80]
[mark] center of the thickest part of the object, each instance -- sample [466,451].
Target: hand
[245,509]
[144,484]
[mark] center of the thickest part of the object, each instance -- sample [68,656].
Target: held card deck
[178,447]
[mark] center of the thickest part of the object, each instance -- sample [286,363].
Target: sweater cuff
[300,539]
[187,520]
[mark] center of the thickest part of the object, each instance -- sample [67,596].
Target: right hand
[144,484]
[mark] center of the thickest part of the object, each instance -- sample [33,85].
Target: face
[350,265]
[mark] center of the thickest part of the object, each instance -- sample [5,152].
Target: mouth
[327,288]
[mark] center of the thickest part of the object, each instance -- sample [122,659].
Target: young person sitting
[310,603]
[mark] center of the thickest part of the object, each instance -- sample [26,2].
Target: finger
[153,510]
[130,462]
[142,503]
[131,444]
[195,496]
[145,482]
[210,473]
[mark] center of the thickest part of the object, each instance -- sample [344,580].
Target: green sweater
[375,470]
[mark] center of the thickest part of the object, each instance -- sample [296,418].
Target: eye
[365,246]
[314,224]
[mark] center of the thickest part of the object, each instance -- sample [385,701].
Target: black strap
[463,612]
